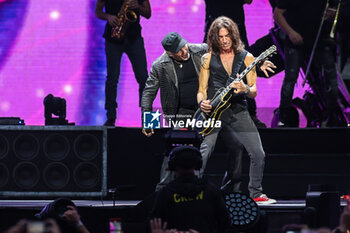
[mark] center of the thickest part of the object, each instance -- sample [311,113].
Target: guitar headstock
[269,52]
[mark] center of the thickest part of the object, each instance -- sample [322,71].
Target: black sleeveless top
[219,78]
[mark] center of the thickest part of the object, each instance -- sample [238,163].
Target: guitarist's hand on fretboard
[205,106]
[238,87]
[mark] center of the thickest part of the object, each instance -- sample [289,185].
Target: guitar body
[214,115]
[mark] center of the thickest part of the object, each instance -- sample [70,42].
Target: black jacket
[192,203]
[163,76]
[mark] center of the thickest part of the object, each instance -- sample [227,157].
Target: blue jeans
[136,52]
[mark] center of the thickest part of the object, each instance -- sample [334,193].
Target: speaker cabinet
[53,161]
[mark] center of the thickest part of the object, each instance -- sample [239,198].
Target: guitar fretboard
[262,56]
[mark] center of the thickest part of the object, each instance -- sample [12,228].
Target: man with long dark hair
[217,8]
[175,74]
[225,59]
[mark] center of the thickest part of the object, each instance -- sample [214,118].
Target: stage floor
[33,204]
[79,203]
[294,159]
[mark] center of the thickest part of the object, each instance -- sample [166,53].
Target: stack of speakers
[52,161]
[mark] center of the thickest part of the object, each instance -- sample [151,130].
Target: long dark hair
[213,35]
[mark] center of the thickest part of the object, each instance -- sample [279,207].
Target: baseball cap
[173,42]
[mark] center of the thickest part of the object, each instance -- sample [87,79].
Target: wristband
[199,104]
[248,90]
[79,224]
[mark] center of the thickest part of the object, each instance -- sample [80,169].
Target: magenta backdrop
[58,49]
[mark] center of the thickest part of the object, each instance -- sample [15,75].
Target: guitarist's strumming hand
[205,106]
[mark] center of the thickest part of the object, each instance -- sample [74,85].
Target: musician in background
[345,45]
[131,43]
[225,59]
[300,20]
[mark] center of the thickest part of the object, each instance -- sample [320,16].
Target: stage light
[54,14]
[68,89]
[171,10]
[244,212]
[40,93]
[4,106]
[11,121]
[56,106]
[194,8]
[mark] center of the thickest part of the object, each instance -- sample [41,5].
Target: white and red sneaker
[264,200]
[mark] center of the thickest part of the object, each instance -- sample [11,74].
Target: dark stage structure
[112,172]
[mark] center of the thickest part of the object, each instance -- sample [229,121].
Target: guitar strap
[237,63]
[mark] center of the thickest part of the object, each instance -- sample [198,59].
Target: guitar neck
[262,56]
[245,71]
[239,78]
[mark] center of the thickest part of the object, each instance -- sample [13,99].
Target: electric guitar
[221,100]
